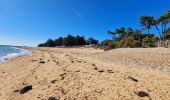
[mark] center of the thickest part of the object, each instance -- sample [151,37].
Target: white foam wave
[13,55]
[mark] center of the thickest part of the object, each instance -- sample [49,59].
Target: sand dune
[87,74]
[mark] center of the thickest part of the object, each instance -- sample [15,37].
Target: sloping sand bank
[87,74]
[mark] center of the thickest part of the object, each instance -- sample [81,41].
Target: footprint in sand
[62,90]
[101,71]
[2,71]
[56,62]
[42,62]
[77,71]
[36,77]
[110,71]
[16,90]
[52,98]
[63,76]
[34,60]
[95,68]
[133,79]
[53,81]
[79,61]
[72,61]
[94,65]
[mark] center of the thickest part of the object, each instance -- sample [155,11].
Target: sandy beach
[87,74]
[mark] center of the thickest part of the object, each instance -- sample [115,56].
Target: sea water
[8,52]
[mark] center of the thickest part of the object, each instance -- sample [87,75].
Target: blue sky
[29,22]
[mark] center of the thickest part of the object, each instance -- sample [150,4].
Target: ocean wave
[13,55]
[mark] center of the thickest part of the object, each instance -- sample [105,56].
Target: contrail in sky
[78,14]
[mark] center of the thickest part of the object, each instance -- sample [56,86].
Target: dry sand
[87,74]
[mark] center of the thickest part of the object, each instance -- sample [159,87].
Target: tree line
[69,40]
[159,23]
[124,37]
[128,37]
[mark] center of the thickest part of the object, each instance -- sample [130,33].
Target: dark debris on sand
[42,62]
[52,98]
[26,89]
[142,94]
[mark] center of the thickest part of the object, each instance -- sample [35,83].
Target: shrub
[112,45]
[106,42]
[149,42]
[137,44]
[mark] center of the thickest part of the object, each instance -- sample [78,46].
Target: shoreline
[23,52]
[80,73]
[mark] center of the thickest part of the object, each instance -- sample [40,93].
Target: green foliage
[129,38]
[163,21]
[146,22]
[69,40]
[80,40]
[41,45]
[167,34]
[112,45]
[134,38]
[92,41]
[164,18]
[149,41]
[49,43]
[59,41]
[106,42]
[137,44]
